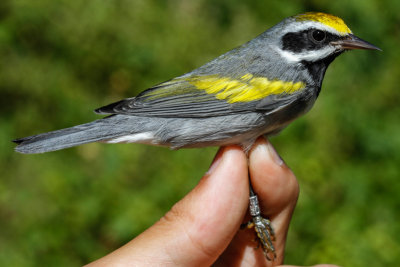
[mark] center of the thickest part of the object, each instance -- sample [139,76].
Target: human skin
[203,228]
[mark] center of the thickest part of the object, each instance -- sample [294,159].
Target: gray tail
[98,130]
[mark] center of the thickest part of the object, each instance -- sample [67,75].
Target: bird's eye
[318,35]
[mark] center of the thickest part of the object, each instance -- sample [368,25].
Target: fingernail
[216,161]
[274,155]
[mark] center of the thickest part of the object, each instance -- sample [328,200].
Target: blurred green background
[62,59]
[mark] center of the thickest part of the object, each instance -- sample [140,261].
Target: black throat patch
[317,69]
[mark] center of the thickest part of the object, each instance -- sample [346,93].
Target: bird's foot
[263,229]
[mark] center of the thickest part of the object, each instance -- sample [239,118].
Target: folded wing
[207,96]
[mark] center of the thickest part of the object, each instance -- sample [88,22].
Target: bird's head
[314,36]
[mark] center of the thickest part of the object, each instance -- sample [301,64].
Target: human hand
[203,228]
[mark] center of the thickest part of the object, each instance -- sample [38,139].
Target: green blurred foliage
[62,59]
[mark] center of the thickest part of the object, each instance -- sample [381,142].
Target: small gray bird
[253,90]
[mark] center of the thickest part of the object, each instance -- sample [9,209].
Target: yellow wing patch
[327,19]
[245,89]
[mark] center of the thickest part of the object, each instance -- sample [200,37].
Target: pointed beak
[353,42]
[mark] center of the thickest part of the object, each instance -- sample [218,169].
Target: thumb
[199,227]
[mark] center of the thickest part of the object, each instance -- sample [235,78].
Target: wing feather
[207,96]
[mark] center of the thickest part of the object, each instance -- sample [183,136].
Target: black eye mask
[307,40]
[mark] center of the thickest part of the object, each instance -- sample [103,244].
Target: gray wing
[179,98]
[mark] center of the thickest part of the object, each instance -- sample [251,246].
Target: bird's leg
[262,226]
[265,234]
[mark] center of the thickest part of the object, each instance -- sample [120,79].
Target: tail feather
[98,130]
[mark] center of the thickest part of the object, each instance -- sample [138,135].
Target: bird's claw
[265,234]
[263,228]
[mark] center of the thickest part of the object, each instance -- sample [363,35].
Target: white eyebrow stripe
[305,25]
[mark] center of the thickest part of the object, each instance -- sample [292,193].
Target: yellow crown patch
[327,19]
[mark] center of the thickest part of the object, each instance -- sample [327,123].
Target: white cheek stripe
[133,138]
[311,56]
